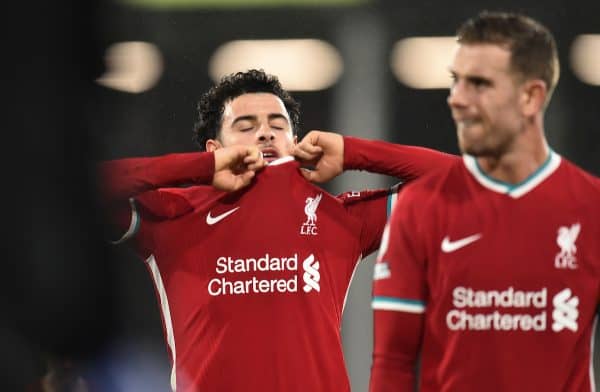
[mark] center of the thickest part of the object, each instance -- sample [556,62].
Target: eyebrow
[469,77]
[251,117]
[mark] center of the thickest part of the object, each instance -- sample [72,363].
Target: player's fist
[324,151]
[235,166]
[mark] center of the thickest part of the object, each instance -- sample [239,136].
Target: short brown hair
[532,46]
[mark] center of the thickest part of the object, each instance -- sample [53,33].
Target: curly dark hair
[212,103]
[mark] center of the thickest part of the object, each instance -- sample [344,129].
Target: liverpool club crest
[309,227]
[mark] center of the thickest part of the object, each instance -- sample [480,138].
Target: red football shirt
[252,284]
[507,278]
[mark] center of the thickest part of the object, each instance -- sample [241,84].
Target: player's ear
[212,145]
[534,96]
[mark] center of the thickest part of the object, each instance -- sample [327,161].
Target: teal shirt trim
[512,187]
[398,300]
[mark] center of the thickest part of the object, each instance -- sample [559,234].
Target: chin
[464,147]
[471,148]
[472,144]
[471,151]
[481,151]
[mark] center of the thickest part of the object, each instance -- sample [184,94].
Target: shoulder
[423,201]
[443,182]
[585,175]
[580,180]
[579,190]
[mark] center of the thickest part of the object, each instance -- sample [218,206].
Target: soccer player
[490,268]
[251,282]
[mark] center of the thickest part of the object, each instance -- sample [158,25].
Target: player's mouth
[465,123]
[269,154]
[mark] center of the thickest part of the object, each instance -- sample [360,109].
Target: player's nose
[265,133]
[457,96]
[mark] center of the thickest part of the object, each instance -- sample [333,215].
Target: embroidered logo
[382,269]
[311,275]
[310,209]
[565,312]
[450,246]
[211,220]
[566,241]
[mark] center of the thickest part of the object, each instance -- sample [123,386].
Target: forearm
[395,350]
[124,178]
[390,374]
[404,162]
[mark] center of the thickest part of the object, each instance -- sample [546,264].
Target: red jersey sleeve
[124,178]
[404,162]
[399,295]
[400,274]
[130,187]
[149,207]
[397,339]
[372,208]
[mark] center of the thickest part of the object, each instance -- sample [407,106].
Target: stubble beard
[491,143]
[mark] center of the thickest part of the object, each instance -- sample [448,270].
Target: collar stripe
[513,190]
[281,160]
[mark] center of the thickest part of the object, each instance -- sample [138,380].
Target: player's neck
[519,162]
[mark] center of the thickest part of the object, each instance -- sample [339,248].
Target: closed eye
[479,81]
[278,124]
[476,81]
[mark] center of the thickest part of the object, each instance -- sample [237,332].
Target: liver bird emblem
[310,209]
[566,239]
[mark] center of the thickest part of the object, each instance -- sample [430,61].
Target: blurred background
[370,68]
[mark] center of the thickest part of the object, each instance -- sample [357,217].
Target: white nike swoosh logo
[450,246]
[211,220]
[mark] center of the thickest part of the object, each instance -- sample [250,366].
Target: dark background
[65,290]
